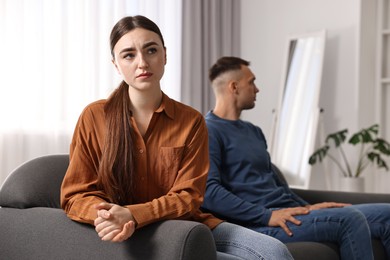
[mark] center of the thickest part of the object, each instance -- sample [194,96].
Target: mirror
[296,119]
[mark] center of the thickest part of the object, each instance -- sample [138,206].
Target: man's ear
[233,86]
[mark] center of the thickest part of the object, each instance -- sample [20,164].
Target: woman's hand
[114,223]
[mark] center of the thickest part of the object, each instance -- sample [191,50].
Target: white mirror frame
[296,119]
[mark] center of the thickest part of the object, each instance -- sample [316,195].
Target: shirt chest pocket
[168,164]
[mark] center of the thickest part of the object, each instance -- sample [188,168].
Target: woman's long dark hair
[116,170]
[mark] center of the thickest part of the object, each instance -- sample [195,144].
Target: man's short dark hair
[225,64]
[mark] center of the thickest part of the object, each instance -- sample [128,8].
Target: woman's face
[139,57]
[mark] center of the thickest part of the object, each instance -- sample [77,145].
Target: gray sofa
[33,226]
[326,251]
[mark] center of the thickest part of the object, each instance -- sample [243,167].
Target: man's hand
[114,223]
[280,217]
[325,205]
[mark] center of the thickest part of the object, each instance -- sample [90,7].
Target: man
[243,189]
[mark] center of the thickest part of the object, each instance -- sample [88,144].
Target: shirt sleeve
[222,202]
[79,192]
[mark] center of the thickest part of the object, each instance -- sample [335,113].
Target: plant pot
[352,184]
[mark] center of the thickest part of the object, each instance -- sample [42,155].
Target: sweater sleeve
[287,189]
[298,199]
[222,202]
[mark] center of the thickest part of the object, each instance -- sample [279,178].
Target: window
[56,60]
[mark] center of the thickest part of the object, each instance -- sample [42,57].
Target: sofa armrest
[47,233]
[317,196]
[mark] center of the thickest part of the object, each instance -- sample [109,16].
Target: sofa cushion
[35,183]
[313,250]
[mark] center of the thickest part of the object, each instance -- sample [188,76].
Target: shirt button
[141,151]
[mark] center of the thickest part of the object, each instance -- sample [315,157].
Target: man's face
[246,89]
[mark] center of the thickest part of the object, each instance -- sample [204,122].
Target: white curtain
[55,59]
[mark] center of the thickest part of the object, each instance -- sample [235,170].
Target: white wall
[266,24]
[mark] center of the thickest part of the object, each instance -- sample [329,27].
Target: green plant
[372,150]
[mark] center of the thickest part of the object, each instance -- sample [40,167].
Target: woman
[140,157]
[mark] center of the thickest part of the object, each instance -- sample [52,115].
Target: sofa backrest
[36,183]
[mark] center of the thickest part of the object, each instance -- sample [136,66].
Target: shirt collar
[166,106]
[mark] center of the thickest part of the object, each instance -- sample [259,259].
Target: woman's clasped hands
[114,223]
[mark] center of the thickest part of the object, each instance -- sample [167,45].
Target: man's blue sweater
[241,186]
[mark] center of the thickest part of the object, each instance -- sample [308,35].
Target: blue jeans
[351,227]
[235,240]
